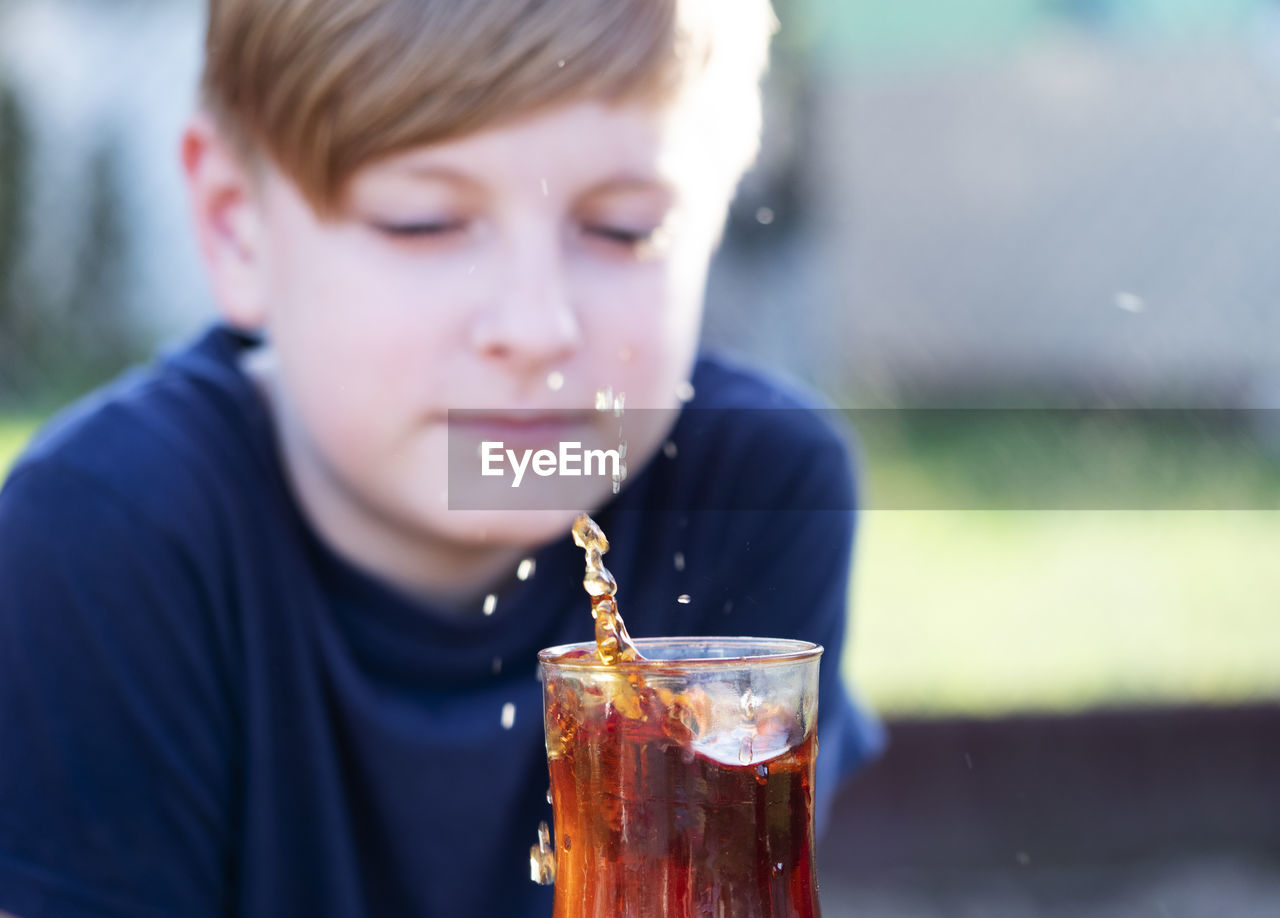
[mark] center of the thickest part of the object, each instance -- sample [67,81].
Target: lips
[527,429]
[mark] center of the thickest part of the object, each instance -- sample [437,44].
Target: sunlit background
[1050,205]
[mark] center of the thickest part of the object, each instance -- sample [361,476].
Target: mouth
[526,429]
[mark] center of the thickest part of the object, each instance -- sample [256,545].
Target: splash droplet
[679,560]
[1130,302]
[508,716]
[684,599]
[490,603]
[684,392]
[555,380]
[542,858]
[764,216]
[525,569]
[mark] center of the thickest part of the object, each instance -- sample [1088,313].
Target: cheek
[356,344]
[641,329]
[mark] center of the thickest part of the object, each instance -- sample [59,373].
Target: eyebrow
[439,173]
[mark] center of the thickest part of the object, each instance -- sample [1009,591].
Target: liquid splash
[613,644]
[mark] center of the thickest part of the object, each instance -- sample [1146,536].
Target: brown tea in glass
[681,771]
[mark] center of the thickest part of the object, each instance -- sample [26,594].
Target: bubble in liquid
[684,392]
[748,704]
[684,599]
[777,869]
[490,603]
[679,560]
[568,843]
[508,716]
[669,449]
[555,380]
[762,773]
[525,569]
[764,216]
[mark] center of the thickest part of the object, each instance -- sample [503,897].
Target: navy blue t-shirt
[205,711]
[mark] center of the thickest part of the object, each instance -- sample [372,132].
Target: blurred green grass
[15,429]
[990,611]
[997,611]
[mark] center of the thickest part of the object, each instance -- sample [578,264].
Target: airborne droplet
[764,216]
[684,599]
[490,603]
[525,569]
[669,449]
[497,665]
[508,716]
[555,380]
[1130,302]
[679,560]
[604,398]
[684,392]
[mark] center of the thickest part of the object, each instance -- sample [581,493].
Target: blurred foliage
[54,344]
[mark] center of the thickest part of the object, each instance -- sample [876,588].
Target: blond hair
[324,87]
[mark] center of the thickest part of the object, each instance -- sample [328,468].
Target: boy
[251,661]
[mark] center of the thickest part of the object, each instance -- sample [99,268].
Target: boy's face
[523,267]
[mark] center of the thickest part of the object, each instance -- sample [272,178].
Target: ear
[227,208]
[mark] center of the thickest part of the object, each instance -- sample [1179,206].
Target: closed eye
[418,229]
[621,236]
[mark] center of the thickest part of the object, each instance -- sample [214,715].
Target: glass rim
[752,651]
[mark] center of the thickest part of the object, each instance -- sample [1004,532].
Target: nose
[529,322]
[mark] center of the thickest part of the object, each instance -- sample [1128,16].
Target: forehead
[557,151]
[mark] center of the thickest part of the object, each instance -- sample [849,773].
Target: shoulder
[751,436]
